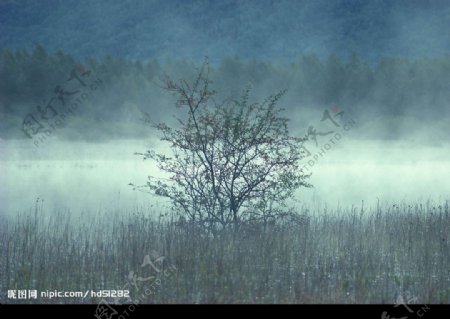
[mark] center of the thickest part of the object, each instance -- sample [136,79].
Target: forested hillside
[395,87]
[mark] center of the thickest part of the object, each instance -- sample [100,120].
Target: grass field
[349,256]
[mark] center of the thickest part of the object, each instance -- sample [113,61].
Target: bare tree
[231,162]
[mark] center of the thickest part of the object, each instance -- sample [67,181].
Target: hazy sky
[264,29]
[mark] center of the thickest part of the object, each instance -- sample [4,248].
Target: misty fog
[94,177]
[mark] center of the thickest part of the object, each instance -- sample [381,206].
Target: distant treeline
[395,86]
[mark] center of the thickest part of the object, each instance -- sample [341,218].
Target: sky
[251,29]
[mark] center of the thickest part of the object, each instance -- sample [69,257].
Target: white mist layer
[90,177]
